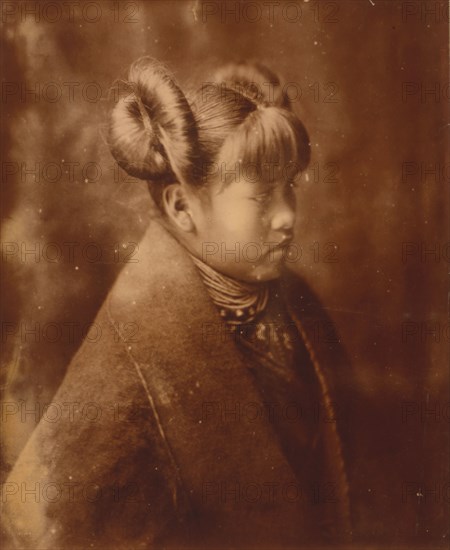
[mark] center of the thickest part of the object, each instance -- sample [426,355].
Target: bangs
[271,145]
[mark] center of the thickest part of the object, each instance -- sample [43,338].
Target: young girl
[214,427]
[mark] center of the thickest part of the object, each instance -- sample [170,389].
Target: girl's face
[243,229]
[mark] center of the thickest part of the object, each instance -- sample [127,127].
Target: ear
[176,205]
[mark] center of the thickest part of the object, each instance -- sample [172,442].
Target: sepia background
[373,80]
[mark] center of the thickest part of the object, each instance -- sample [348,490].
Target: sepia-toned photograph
[224,275]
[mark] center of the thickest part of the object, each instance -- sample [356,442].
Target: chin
[265,273]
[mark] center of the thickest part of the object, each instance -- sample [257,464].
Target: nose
[283,216]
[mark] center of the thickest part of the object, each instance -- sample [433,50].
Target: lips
[284,243]
[280,247]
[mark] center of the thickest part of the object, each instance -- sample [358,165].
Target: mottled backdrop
[370,80]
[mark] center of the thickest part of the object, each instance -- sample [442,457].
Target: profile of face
[239,206]
[244,228]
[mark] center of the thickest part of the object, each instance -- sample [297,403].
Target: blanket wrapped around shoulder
[133,461]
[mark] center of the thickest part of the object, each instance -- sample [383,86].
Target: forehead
[270,172]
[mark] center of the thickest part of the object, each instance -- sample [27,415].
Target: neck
[238,302]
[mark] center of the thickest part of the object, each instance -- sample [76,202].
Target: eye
[262,198]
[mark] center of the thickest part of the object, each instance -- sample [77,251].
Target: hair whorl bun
[152,131]
[254,81]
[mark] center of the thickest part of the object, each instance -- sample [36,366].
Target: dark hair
[241,115]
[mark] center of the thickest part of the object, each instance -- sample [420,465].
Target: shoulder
[86,456]
[323,335]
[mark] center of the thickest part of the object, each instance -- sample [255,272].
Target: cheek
[240,222]
[245,226]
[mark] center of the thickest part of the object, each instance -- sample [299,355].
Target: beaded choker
[238,302]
